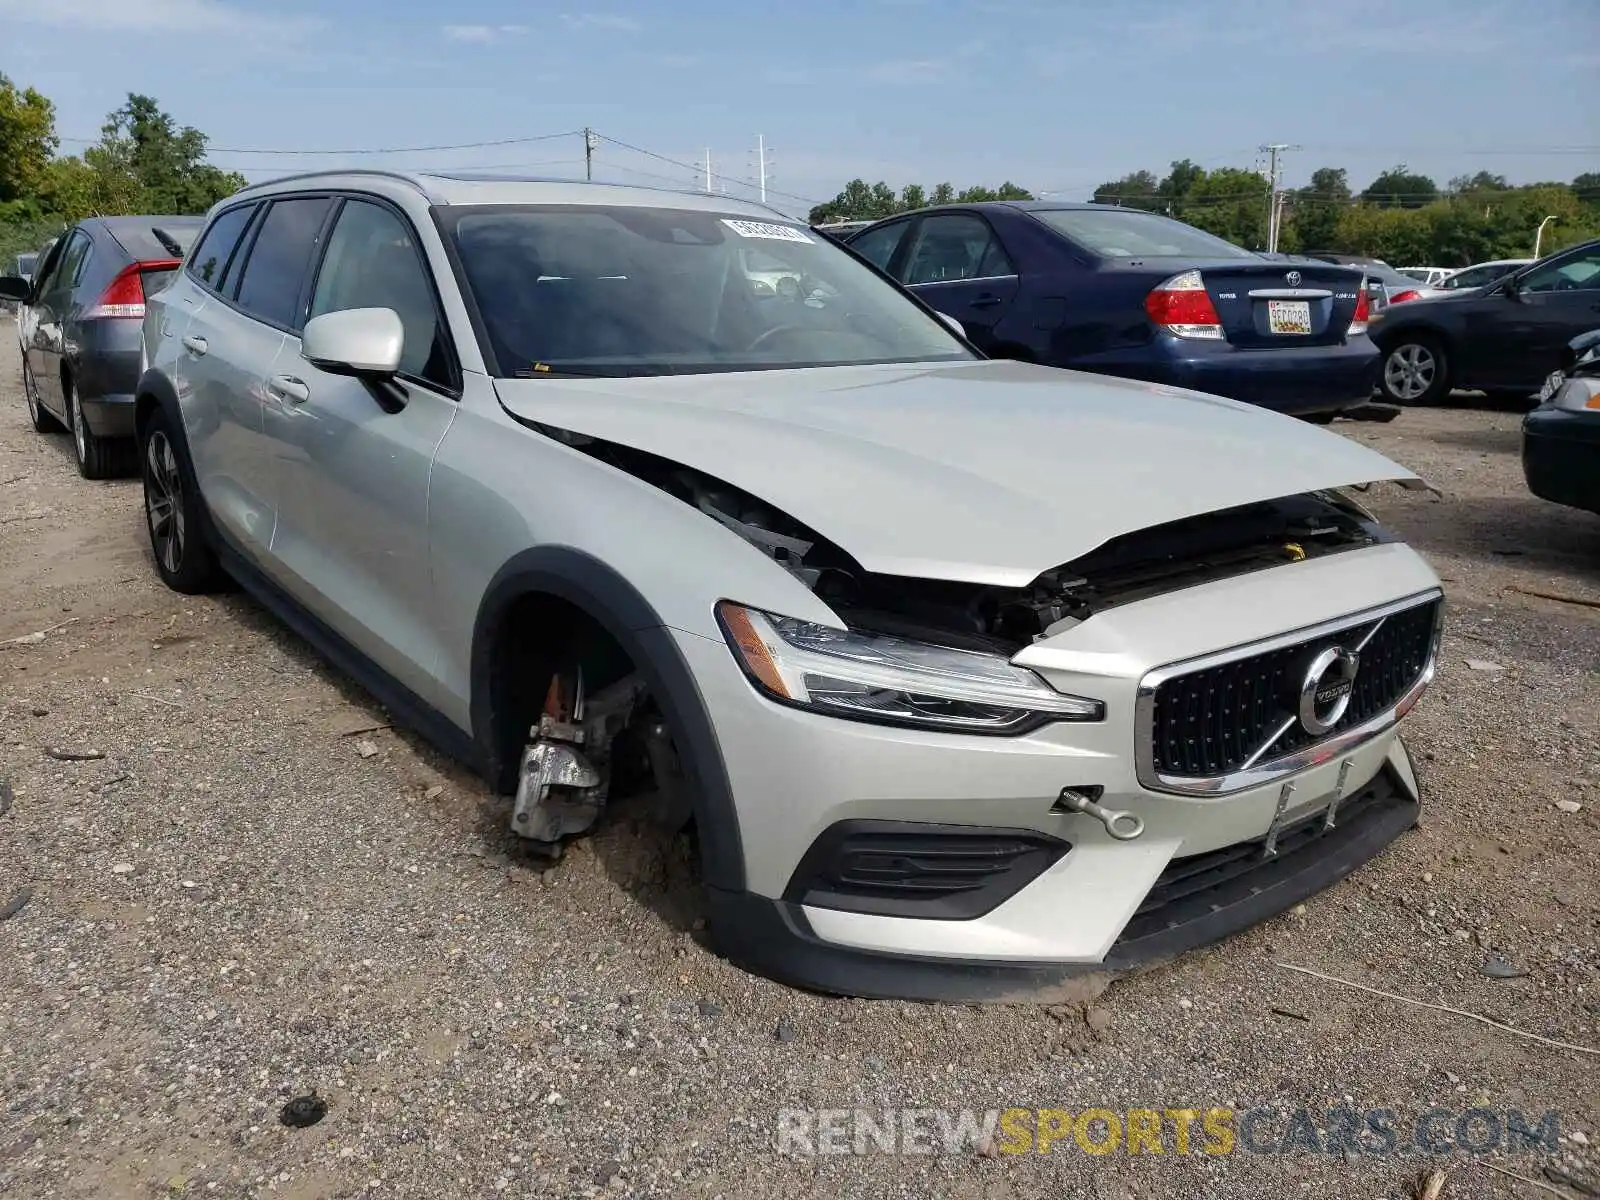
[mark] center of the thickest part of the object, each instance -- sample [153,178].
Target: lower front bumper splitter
[1197,901]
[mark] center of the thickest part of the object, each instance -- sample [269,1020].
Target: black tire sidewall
[197,566]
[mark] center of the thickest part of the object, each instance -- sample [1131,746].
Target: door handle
[289,388]
[987,300]
[194,345]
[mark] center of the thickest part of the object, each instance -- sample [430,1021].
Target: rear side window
[955,246]
[210,258]
[878,245]
[279,259]
[74,260]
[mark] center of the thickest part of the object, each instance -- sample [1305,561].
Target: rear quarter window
[217,244]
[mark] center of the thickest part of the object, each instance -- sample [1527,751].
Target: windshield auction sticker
[760,229]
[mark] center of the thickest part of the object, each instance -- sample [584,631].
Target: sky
[1055,95]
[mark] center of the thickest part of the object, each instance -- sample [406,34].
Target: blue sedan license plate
[1289,316]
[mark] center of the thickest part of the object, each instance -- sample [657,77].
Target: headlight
[892,680]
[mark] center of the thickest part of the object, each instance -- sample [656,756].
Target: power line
[696,170]
[516,141]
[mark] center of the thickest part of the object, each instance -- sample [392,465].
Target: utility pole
[1275,197]
[589,145]
[762,165]
[708,170]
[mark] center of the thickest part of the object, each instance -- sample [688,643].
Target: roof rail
[378,172]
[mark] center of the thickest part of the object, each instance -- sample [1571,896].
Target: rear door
[957,265]
[351,458]
[231,343]
[880,245]
[1267,305]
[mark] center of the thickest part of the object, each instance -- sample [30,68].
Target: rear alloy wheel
[1415,371]
[183,559]
[98,457]
[43,420]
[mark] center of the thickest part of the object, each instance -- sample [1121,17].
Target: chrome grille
[1223,718]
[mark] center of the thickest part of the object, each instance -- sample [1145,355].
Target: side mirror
[1582,350]
[14,287]
[1509,287]
[356,341]
[956,326]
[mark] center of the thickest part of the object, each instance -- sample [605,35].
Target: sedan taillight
[1183,307]
[1363,313]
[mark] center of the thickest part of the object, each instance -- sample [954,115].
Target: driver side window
[373,262]
[1579,273]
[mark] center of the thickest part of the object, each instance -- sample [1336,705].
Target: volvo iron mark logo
[1293,278]
[1325,691]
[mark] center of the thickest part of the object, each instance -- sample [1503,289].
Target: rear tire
[1416,370]
[98,457]
[40,417]
[173,513]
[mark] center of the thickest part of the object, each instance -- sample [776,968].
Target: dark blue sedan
[1125,292]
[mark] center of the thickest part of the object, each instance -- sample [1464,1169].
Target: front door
[351,458]
[51,317]
[957,265]
[1516,333]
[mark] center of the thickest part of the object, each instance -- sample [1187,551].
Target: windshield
[653,291]
[1129,233]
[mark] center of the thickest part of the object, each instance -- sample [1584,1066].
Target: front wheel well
[538,635]
[143,405]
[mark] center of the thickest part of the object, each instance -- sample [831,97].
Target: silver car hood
[984,472]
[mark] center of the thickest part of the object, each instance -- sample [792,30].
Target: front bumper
[1078,901]
[1561,456]
[1194,902]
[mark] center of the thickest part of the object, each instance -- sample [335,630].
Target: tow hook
[1120,823]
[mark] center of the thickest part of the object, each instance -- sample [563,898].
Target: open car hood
[985,472]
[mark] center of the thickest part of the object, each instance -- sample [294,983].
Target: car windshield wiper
[544,370]
[169,243]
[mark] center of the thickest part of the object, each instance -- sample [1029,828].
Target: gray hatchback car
[968,675]
[79,327]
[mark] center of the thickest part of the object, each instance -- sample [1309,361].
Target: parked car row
[1124,292]
[926,648]
[79,330]
[1135,294]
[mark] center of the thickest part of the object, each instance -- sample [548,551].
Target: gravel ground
[243,901]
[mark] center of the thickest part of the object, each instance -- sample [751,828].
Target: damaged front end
[574,749]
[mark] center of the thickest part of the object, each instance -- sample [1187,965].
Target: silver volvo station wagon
[969,677]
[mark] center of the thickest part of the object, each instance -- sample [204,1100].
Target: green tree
[1314,209]
[1180,183]
[27,141]
[1138,189]
[1482,181]
[167,162]
[1587,187]
[1400,187]
[1012,191]
[912,196]
[943,193]
[1230,202]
